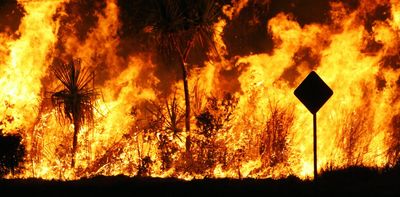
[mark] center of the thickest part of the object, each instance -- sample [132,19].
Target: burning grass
[155,143]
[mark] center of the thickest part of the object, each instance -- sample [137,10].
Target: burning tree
[75,100]
[178,26]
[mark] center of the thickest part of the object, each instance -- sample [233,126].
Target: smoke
[11,14]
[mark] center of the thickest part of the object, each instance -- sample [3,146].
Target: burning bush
[274,147]
[166,121]
[11,153]
[208,149]
[353,137]
[394,141]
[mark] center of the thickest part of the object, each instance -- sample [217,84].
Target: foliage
[175,24]
[12,152]
[144,166]
[208,149]
[75,100]
[353,138]
[274,148]
[167,121]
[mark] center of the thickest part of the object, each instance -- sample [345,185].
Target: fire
[22,71]
[245,120]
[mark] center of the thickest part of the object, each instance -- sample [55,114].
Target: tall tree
[179,25]
[75,100]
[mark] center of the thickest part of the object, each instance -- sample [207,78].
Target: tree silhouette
[75,100]
[166,118]
[179,25]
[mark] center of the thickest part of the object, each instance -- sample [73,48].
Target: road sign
[313,93]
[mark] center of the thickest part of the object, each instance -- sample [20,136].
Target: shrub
[11,153]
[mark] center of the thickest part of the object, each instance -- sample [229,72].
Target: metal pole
[315,145]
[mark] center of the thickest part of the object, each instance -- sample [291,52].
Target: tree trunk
[184,57]
[74,141]
[187,104]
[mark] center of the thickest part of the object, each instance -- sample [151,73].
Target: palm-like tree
[178,25]
[75,100]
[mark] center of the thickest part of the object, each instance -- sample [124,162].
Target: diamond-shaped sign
[313,92]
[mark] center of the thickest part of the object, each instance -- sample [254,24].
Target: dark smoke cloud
[81,17]
[247,34]
[10,15]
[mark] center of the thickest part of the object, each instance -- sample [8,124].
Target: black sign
[313,92]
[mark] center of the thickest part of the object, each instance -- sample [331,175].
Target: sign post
[313,93]
[315,145]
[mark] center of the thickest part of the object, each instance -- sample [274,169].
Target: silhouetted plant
[12,153]
[208,149]
[167,118]
[75,100]
[145,166]
[353,139]
[274,147]
[143,139]
[177,26]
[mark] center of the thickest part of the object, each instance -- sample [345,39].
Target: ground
[355,181]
